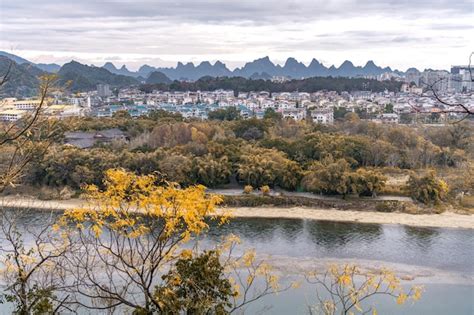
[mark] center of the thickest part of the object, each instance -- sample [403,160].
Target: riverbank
[443,220]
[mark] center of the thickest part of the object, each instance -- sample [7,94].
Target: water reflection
[423,238]
[450,249]
[290,230]
[245,228]
[332,235]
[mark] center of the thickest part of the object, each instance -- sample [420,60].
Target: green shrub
[427,189]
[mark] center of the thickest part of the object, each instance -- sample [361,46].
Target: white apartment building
[294,113]
[323,116]
[11,115]
[27,104]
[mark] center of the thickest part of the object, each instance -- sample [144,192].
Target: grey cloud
[263,11]
[408,39]
[188,27]
[352,39]
[445,26]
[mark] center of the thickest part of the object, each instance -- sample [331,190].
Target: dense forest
[239,84]
[352,157]
[23,79]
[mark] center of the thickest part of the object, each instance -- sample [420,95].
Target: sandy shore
[445,220]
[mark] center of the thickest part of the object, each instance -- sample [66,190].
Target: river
[441,259]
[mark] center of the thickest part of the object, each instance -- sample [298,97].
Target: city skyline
[399,34]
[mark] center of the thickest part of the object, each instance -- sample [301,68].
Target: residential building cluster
[459,80]
[323,107]
[12,109]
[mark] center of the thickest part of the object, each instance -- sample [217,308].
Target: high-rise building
[437,80]
[455,83]
[462,78]
[103,90]
[412,75]
[458,69]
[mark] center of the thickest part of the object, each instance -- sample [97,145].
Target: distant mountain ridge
[50,67]
[258,68]
[23,78]
[122,71]
[81,77]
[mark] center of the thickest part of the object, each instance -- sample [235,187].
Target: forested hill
[309,85]
[157,77]
[84,78]
[22,78]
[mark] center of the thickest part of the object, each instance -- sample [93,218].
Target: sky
[396,33]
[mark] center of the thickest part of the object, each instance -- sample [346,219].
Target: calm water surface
[443,250]
[450,249]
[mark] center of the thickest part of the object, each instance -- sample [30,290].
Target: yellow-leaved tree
[132,251]
[31,256]
[345,289]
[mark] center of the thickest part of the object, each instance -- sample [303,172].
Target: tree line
[240,84]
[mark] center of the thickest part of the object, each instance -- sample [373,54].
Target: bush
[210,171]
[265,190]
[248,189]
[337,178]
[259,167]
[427,189]
[328,178]
[176,168]
[366,182]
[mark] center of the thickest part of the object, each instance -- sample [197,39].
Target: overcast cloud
[396,33]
